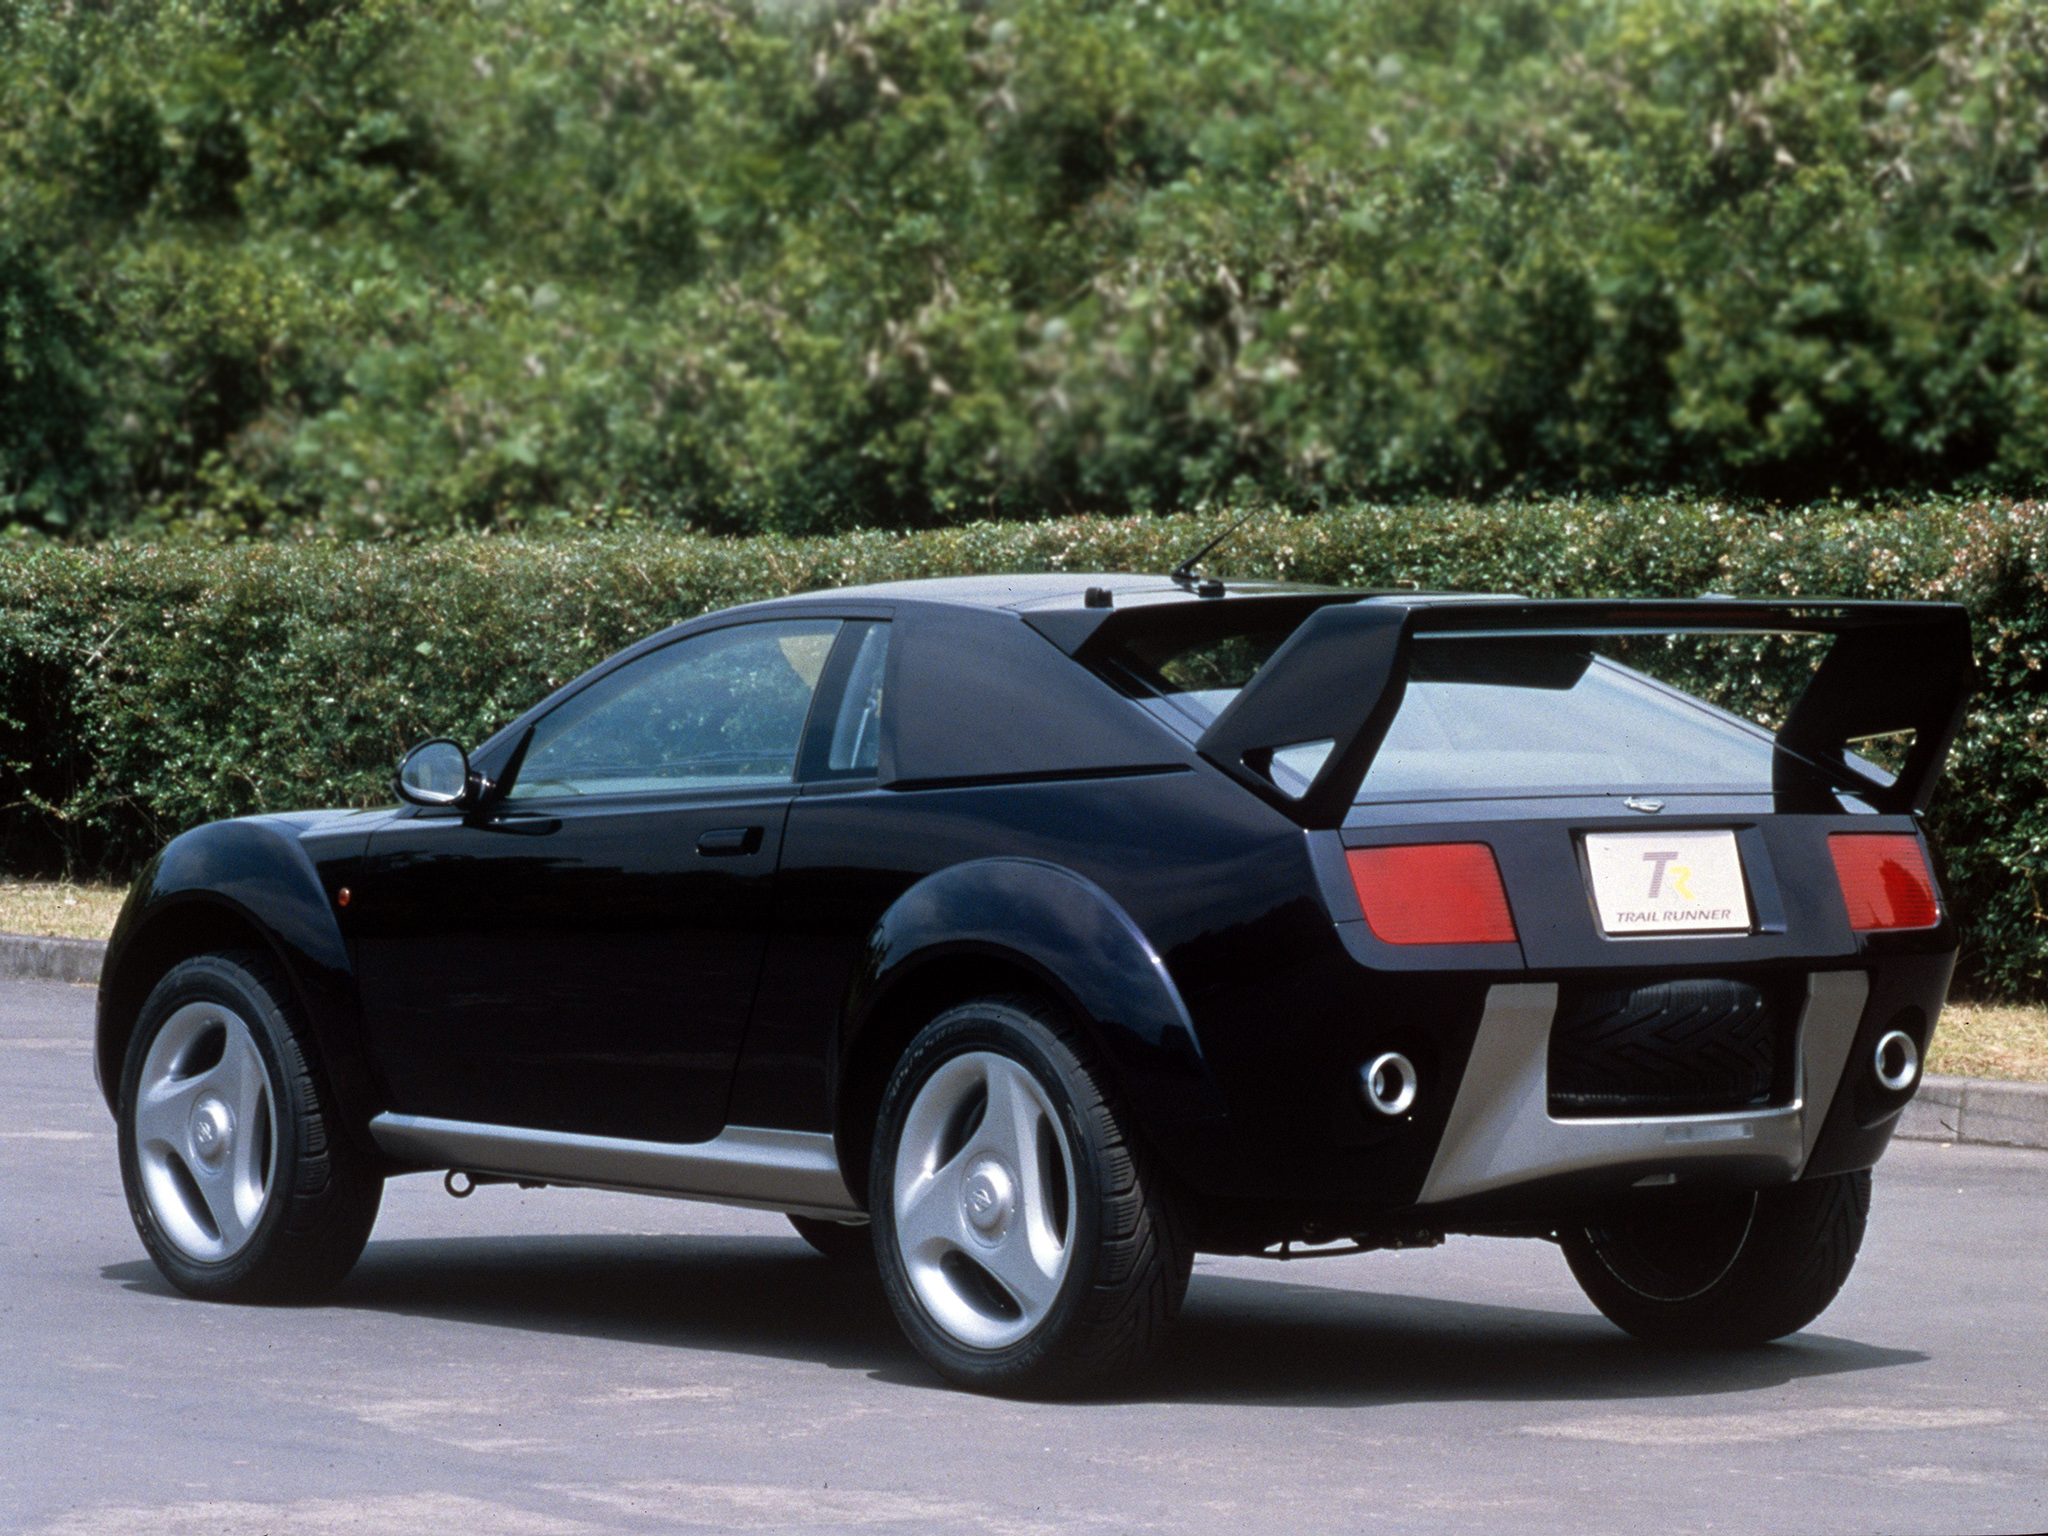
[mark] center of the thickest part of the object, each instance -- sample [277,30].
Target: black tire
[264,1199]
[837,1240]
[1124,1257]
[1728,1273]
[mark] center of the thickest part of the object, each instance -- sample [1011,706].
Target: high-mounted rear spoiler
[1340,676]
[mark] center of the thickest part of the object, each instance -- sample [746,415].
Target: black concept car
[1025,936]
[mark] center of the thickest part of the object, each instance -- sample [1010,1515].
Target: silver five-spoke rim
[205,1137]
[984,1199]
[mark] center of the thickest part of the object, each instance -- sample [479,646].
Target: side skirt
[793,1171]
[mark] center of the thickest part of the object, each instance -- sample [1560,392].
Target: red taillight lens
[1432,893]
[1884,880]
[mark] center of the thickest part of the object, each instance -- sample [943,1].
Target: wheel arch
[1015,925]
[175,931]
[226,886]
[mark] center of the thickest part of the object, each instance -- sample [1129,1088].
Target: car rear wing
[1340,677]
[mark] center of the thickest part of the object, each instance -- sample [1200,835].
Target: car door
[583,958]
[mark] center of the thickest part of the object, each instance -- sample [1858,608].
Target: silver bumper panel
[1500,1131]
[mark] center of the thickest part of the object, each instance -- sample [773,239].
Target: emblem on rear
[1641,803]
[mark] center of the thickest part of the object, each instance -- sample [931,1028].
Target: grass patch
[59,909]
[1989,1040]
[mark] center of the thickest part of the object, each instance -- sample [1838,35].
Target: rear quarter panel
[1218,887]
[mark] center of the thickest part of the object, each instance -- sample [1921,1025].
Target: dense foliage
[394,265]
[148,688]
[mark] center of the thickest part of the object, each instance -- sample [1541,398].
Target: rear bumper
[1481,1146]
[1500,1134]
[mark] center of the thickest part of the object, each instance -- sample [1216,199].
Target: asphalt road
[527,1364]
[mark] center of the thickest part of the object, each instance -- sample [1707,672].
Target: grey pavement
[531,1363]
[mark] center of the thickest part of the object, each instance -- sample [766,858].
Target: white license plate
[1668,882]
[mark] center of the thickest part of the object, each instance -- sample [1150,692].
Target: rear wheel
[1025,1240]
[1739,1270]
[242,1185]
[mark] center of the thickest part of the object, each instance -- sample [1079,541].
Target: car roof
[1053,589]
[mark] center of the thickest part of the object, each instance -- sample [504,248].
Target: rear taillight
[1432,893]
[1884,880]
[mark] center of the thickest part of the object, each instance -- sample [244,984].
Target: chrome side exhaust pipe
[1897,1061]
[1389,1084]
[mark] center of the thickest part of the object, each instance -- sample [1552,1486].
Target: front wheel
[1026,1241]
[242,1183]
[1737,1270]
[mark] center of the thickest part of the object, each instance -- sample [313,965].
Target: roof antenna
[1183,575]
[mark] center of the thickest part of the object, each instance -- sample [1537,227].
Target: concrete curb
[51,959]
[1976,1109]
[1970,1109]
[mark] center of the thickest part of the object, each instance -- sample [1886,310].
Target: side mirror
[435,773]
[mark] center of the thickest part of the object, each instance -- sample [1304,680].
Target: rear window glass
[1198,671]
[1187,667]
[1491,717]
[1483,716]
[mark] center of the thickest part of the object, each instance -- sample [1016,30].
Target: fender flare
[1077,940]
[256,877]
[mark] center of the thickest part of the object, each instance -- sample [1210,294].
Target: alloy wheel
[205,1131]
[983,1196]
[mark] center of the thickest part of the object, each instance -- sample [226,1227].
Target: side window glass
[723,710]
[857,733]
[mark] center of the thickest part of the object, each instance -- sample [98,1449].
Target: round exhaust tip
[1897,1060]
[1389,1083]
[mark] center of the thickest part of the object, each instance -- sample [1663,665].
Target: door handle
[727,841]
[524,826]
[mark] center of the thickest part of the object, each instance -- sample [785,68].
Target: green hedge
[397,265]
[152,687]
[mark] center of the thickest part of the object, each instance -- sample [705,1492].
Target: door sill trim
[770,1170]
